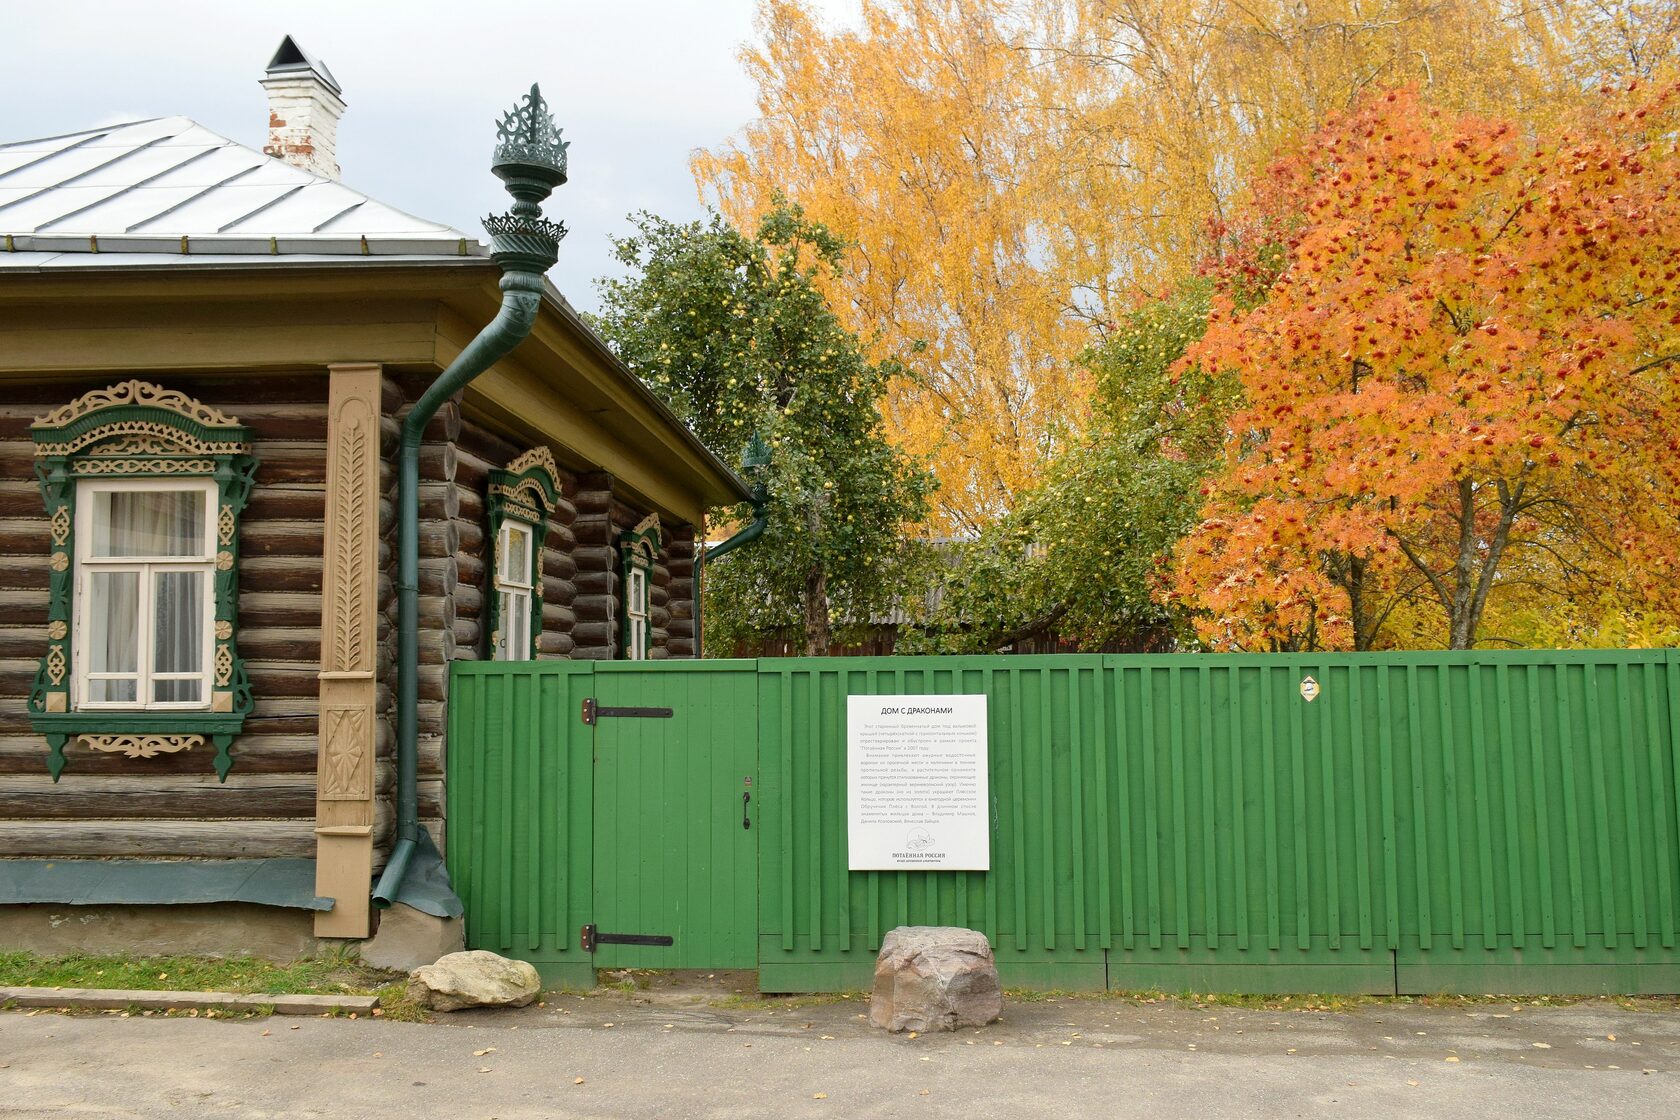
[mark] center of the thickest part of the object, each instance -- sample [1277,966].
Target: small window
[640,550]
[514,589]
[636,607]
[145,595]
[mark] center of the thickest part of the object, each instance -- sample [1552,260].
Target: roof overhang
[562,387]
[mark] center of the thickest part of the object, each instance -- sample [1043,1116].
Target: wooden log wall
[679,561]
[598,598]
[582,605]
[172,805]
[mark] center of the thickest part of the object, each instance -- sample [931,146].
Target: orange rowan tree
[1462,383]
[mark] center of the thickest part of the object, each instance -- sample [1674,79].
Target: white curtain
[178,637]
[148,523]
[114,634]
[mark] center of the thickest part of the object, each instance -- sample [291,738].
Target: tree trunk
[817,629]
[817,634]
[1463,591]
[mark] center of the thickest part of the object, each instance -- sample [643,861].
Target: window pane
[516,553]
[111,692]
[178,614]
[177,692]
[148,523]
[113,622]
[519,640]
[507,620]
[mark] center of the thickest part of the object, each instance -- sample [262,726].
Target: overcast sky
[636,84]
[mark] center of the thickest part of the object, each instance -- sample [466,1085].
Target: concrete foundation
[230,929]
[408,939]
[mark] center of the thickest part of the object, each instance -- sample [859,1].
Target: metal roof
[171,189]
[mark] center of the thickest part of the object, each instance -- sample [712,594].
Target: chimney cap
[292,59]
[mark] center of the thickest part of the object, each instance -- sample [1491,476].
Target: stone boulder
[473,979]
[935,978]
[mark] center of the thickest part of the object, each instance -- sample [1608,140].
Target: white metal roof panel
[41,259]
[144,186]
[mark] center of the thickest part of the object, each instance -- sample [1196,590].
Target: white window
[636,607]
[145,603]
[513,592]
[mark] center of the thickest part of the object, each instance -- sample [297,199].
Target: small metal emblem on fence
[1309,689]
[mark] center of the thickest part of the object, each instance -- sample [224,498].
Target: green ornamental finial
[757,454]
[531,161]
[530,138]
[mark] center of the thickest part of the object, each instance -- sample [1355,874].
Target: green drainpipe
[753,461]
[531,161]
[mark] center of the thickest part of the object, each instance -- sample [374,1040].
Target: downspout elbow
[751,532]
[521,298]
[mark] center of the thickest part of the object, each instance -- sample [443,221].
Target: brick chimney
[304,104]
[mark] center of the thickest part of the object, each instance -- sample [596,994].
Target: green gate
[1424,822]
[675,763]
[607,796]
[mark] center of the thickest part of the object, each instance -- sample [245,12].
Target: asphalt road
[667,1056]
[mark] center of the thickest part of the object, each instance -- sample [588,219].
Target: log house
[185,319]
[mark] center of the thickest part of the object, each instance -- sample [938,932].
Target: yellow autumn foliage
[1015,174]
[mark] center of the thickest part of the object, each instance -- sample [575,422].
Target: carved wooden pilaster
[344,798]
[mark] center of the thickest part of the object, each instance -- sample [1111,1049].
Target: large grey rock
[408,938]
[474,979]
[935,978]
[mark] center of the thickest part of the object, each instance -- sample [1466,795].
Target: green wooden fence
[1478,822]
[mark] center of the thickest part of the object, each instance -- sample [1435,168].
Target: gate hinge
[593,711]
[589,937]
[589,717]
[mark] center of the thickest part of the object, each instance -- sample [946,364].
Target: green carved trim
[526,490]
[219,728]
[137,430]
[640,550]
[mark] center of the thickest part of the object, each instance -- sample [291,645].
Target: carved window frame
[639,548]
[513,586]
[526,491]
[141,431]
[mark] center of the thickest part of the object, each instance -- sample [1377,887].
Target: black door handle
[746,821]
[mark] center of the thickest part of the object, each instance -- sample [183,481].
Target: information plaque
[916,783]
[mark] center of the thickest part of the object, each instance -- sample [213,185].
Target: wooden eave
[561,387]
